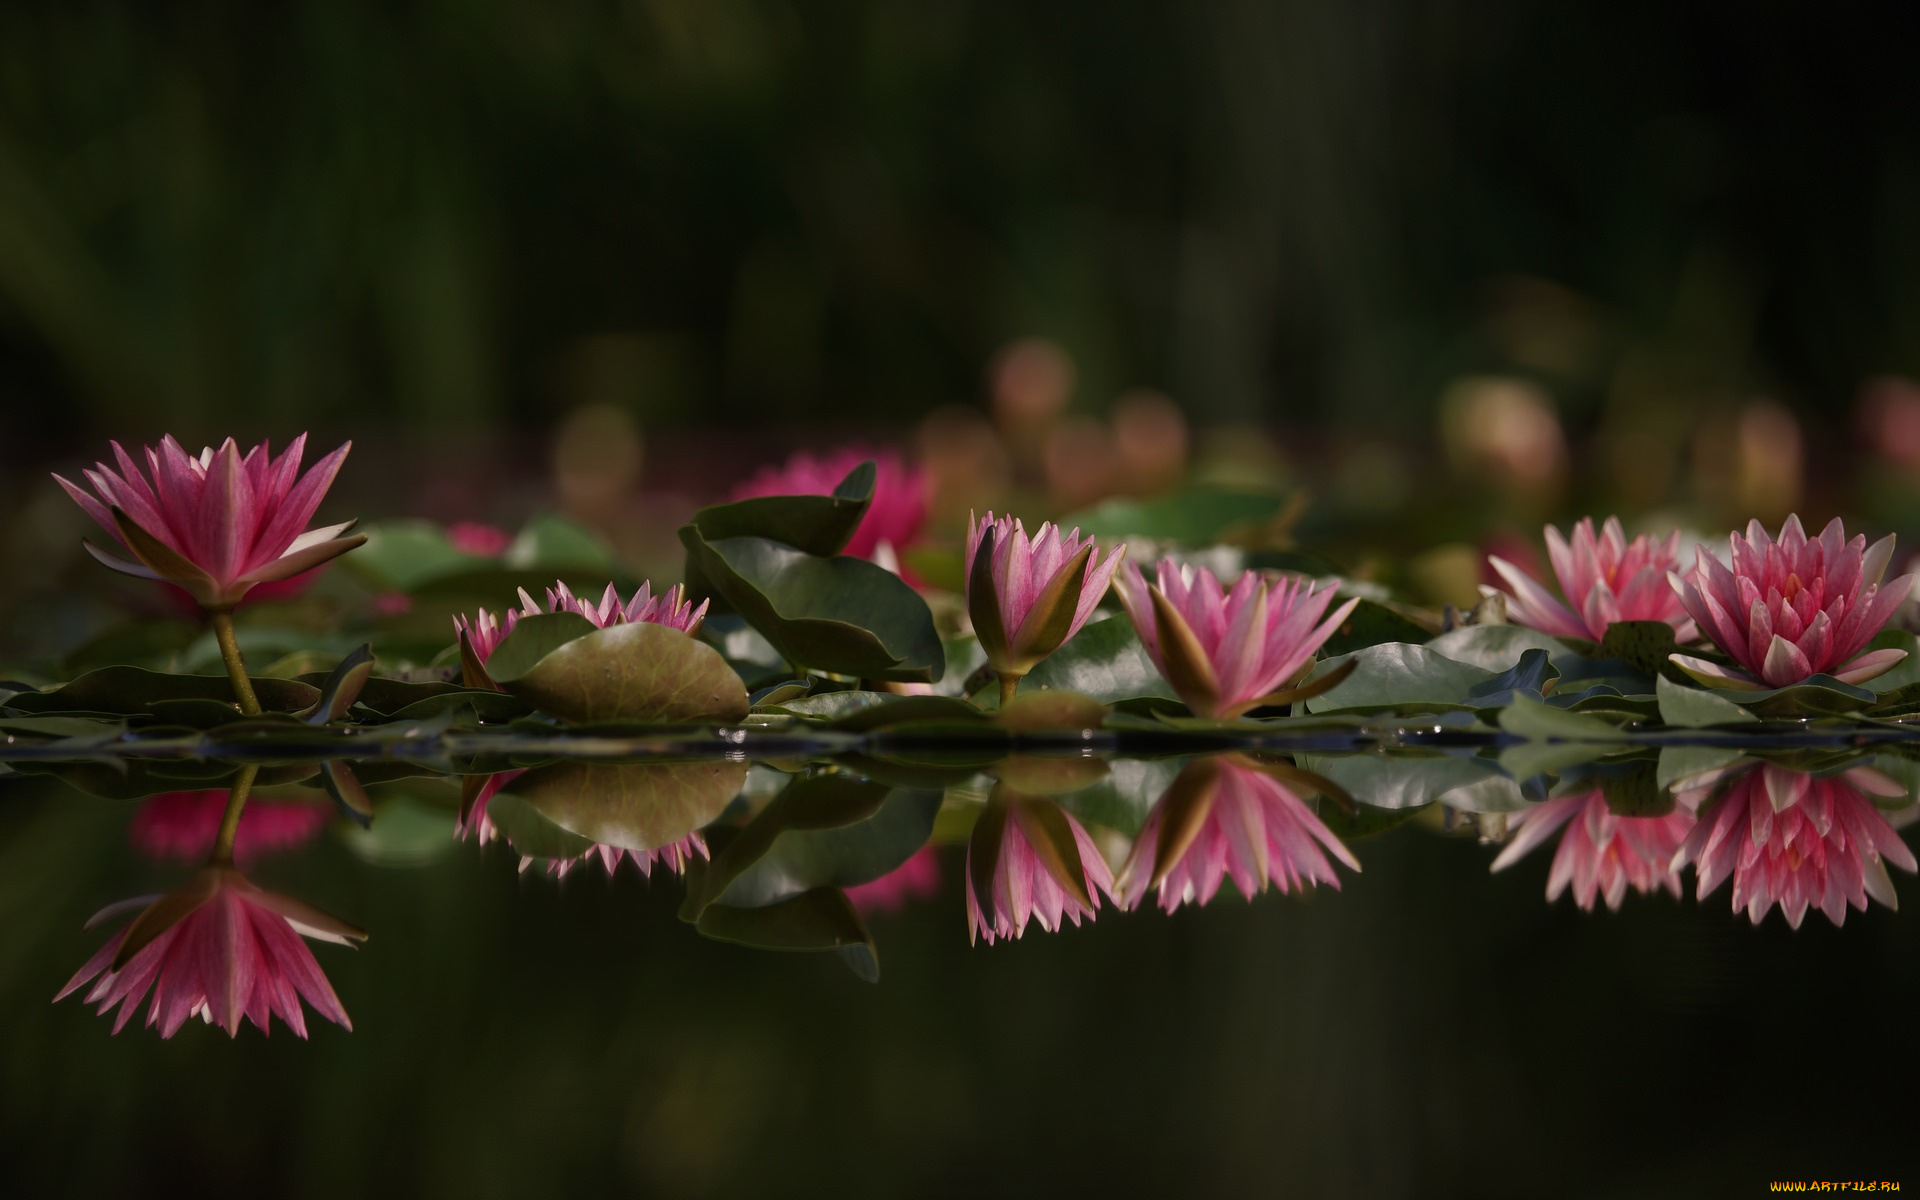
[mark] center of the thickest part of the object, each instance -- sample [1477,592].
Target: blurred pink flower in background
[1226,818]
[916,879]
[1224,652]
[1023,617]
[893,519]
[1793,608]
[478,539]
[1011,879]
[1601,854]
[216,524]
[1607,579]
[183,825]
[218,948]
[1795,840]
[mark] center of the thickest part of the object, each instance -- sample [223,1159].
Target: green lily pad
[1697,708]
[1104,661]
[1397,675]
[1372,623]
[634,672]
[843,615]
[1496,647]
[816,525]
[131,690]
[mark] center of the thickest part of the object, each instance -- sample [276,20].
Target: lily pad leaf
[816,525]
[1643,645]
[532,639]
[843,615]
[1697,708]
[1398,675]
[1105,662]
[1496,647]
[635,672]
[341,688]
[130,690]
[1372,623]
[1527,679]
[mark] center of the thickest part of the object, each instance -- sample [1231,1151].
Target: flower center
[1792,586]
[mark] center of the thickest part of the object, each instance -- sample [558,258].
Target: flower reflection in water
[1601,853]
[916,879]
[185,825]
[218,947]
[1230,818]
[1028,859]
[1796,840]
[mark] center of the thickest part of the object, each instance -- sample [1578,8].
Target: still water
[1035,975]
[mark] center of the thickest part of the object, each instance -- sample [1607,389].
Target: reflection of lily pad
[633,806]
[821,919]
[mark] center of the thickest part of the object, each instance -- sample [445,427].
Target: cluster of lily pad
[778,631]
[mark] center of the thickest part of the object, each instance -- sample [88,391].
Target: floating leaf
[816,525]
[130,690]
[843,615]
[1528,679]
[1697,708]
[1050,711]
[532,639]
[635,672]
[341,688]
[1372,623]
[1398,676]
[1496,647]
[1104,661]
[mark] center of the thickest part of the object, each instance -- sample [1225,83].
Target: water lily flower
[1028,595]
[916,879]
[1793,608]
[215,524]
[1606,579]
[1601,854]
[894,516]
[219,948]
[1797,841]
[1226,818]
[483,632]
[185,825]
[1226,652]
[1028,859]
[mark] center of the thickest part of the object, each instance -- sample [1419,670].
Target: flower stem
[230,820]
[236,666]
[1008,685]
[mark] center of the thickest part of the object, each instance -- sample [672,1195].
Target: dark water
[1427,1027]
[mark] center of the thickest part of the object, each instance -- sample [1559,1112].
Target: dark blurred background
[1578,255]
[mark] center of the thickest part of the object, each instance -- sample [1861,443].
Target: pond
[1447,981]
[1007,866]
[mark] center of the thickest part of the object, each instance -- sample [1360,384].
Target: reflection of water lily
[184,825]
[1601,854]
[484,631]
[1031,594]
[1605,579]
[1796,840]
[1028,859]
[894,516]
[1226,818]
[1225,651]
[218,948]
[216,523]
[1793,608]
[916,879]
[474,824]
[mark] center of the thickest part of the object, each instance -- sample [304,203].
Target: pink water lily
[185,825]
[894,516]
[483,632]
[1227,651]
[1029,860]
[1226,818]
[1028,595]
[1795,840]
[1793,608]
[1606,578]
[217,523]
[218,948]
[1601,854]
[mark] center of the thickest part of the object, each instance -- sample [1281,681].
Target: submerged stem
[230,820]
[236,666]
